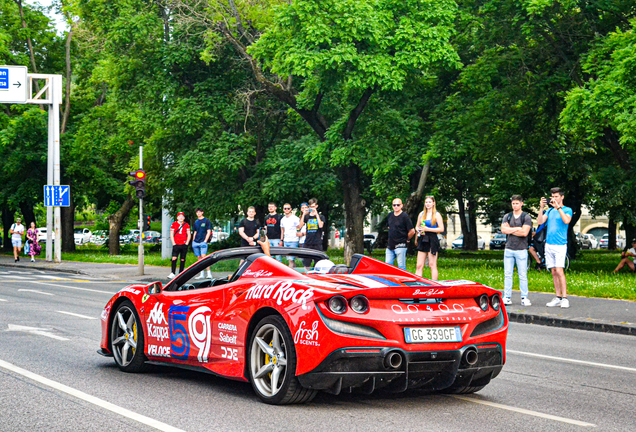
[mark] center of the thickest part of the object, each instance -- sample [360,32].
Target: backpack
[540,234]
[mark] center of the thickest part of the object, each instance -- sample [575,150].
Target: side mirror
[154,288]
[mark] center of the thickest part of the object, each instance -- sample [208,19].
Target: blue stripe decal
[384,281]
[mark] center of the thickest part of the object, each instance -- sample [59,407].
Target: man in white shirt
[288,227]
[628,259]
[17,229]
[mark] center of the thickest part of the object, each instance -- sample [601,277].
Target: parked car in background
[42,235]
[620,241]
[82,236]
[583,242]
[369,242]
[593,240]
[498,241]
[99,237]
[132,236]
[458,243]
[152,237]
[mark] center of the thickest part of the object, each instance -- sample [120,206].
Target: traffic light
[146,223]
[139,182]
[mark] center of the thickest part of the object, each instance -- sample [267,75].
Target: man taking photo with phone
[315,223]
[556,243]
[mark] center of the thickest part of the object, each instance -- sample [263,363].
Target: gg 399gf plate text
[432,334]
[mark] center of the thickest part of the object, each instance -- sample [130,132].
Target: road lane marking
[36,291]
[525,411]
[21,277]
[156,424]
[567,360]
[74,288]
[77,315]
[4,300]
[35,330]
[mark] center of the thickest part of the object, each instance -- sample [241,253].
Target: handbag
[26,247]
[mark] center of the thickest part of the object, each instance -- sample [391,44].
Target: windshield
[78,231]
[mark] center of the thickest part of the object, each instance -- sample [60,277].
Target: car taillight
[483,302]
[337,304]
[359,304]
[495,302]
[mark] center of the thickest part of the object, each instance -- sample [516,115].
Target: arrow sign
[11,79]
[35,330]
[19,84]
[57,196]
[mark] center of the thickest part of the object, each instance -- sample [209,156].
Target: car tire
[271,364]
[127,339]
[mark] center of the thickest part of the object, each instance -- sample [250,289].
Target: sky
[60,24]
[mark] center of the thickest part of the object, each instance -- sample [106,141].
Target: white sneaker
[507,301]
[525,301]
[209,274]
[201,276]
[554,302]
[171,275]
[565,303]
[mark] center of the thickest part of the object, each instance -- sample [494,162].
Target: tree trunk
[28,215]
[574,202]
[470,239]
[7,221]
[630,234]
[114,225]
[413,204]
[354,211]
[611,230]
[68,224]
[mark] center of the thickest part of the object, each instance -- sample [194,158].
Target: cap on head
[634,240]
[304,204]
[181,214]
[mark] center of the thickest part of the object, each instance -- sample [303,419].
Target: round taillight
[337,305]
[495,302]
[483,302]
[359,304]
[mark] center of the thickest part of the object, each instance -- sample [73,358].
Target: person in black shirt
[248,228]
[315,223]
[400,233]
[272,222]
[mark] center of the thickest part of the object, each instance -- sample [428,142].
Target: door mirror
[154,288]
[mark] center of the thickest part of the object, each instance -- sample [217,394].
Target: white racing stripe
[90,399]
[36,291]
[74,288]
[524,411]
[77,315]
[567,360]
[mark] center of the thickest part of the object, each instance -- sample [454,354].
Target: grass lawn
[589,275]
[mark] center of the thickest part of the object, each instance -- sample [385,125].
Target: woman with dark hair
[32,239]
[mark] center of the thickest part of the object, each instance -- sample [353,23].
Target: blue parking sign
[57,196]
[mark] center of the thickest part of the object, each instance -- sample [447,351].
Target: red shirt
[180,235]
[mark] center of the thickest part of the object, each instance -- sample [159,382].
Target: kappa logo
[258,273]
[307,336]
[157,316]
[280,291]
[158,332]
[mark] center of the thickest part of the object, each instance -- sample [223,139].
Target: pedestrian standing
[32,239]
[400,233]
[248,228]
[314,223]
[272,222]
[202,232]
[16,230]
[516,225]
[429,224]
[556,243]
[289,228]
[302,230]
[180,237]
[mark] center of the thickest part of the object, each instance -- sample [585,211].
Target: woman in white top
[429,224]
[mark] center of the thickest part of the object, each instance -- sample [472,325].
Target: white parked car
[592,239]
[42,235]
[82,236]
[458,243]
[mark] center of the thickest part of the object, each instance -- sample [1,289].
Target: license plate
[432,334]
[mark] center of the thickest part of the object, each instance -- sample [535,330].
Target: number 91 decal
[184,331]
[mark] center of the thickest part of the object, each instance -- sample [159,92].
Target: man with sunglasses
[289,228]
[400,233]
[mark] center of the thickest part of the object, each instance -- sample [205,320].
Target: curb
[571,323]
[45,267]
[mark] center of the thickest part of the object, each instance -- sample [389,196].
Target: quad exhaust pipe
[393,360]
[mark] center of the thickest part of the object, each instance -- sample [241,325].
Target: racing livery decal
[184,332]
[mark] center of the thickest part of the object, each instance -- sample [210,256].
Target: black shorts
[432,245]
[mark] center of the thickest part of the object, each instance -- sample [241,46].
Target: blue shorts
[16,243]
[290,244]
[200,248]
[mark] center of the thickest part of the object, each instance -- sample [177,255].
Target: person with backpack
[180,237]
[516,225]
[558,218]
[16,231]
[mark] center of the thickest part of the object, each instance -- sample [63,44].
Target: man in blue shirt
[556,243]
[202,232]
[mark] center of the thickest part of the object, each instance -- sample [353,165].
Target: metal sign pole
[56,100]
[140,253]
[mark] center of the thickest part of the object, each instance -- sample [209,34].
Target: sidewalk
[603,315]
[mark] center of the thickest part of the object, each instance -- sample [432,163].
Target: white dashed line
[567,360]
[3,300]
[524,411]
[90,399]
[77,315]
[74,288]
[36,291]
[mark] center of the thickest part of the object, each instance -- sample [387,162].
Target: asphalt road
[51,378]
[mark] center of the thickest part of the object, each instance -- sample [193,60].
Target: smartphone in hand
[262,236]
